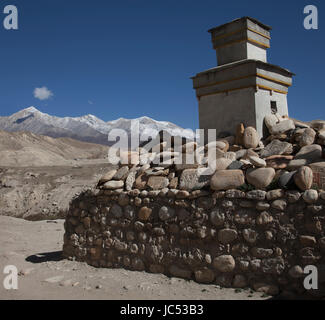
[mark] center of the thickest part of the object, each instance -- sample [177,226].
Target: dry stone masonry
[256,222]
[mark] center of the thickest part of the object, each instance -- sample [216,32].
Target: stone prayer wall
[257,239]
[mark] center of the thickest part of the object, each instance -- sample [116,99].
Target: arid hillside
[39,175]
[28,149]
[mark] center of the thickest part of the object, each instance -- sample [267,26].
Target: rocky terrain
[39,175]
[291,157]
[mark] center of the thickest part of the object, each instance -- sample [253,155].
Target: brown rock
[121,173]
[278,161]
[239,139]
[176,271]
[221,145]
[282,127]
[260,178]
[173,183]
[310,196]
[227,179]
[250,235]
[307,241]
[194,179]
[141,181]
[137,264]
[226,236]
[264,218]
[224,263]
[277,147]
[107,176]
[269,289]
[275,194]
[257,162]
[157,183]
[296,272]
[204,275]
[156,268]
[310,153]
[220,164]
[251,138]
[144,213]
[304,178]
[239,281]
[86,222]
[307,138]
[112,185]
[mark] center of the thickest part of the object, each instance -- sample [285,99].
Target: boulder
[310,196]
[277,147]
[204,275]
[269,289]
[257,162]
[166,213]
[307,138]
[304,178]
[130,180]
[227,179]
[221,145]
[112,185]
[286,179]
[260,178]
[278,161]
[141,181]
[144,213]
[226,236]
[220,164]
[121,173]
[230,156]
[311,153]
[224,263]
[305,156]
[107,176]
[158,182]
[251,138]
[178,272]
[194,179]
[282,127]
[296,272]
[240,281]
[271,120]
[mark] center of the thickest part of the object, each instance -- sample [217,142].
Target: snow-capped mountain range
[87,128]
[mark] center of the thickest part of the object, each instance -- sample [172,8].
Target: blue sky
[133,58]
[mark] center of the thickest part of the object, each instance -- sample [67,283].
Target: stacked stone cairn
[250,214]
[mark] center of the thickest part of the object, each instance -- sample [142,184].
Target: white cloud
[42,93]
[90,102]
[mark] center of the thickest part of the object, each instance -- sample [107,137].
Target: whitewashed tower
[244,88]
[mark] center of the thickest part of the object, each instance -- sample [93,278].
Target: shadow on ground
[45,257]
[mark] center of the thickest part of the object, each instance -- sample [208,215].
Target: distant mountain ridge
[87,128]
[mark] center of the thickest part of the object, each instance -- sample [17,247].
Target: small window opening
[274,108]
